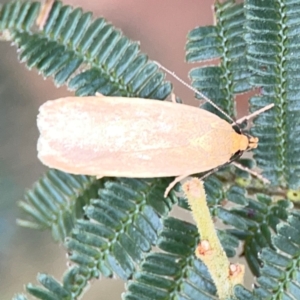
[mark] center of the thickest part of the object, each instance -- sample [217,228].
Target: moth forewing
[133,137]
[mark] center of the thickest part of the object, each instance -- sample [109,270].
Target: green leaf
[74,281]
[88,55]
[121,226]
[224,41]
[57,200]
[272,44]
[241,293]
[254,225]
[175,273]
[18,15]
[279,268]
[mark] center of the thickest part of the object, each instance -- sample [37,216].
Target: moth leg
[174,182]
[175,99]
[97,94]
[253,173]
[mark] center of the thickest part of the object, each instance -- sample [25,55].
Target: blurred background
[161,27]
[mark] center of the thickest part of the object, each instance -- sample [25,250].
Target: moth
[133,137]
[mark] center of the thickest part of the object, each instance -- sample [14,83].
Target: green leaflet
[254,225]
[121,226]
[279,269]
[176,273]
[88,55]
[225,42]
[56,201]
[271,35]
[18,15]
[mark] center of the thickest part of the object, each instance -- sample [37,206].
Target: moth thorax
[242,142]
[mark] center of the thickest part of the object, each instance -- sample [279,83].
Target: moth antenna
[195,91]
[254,114]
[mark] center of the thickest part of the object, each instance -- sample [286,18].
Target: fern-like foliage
[255,223]
[174,274]
[56,201]
[123,224]
[225,42]
[122,227]
[71,42]
[19,16]
[280,264]
[74,281]
[273,59]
